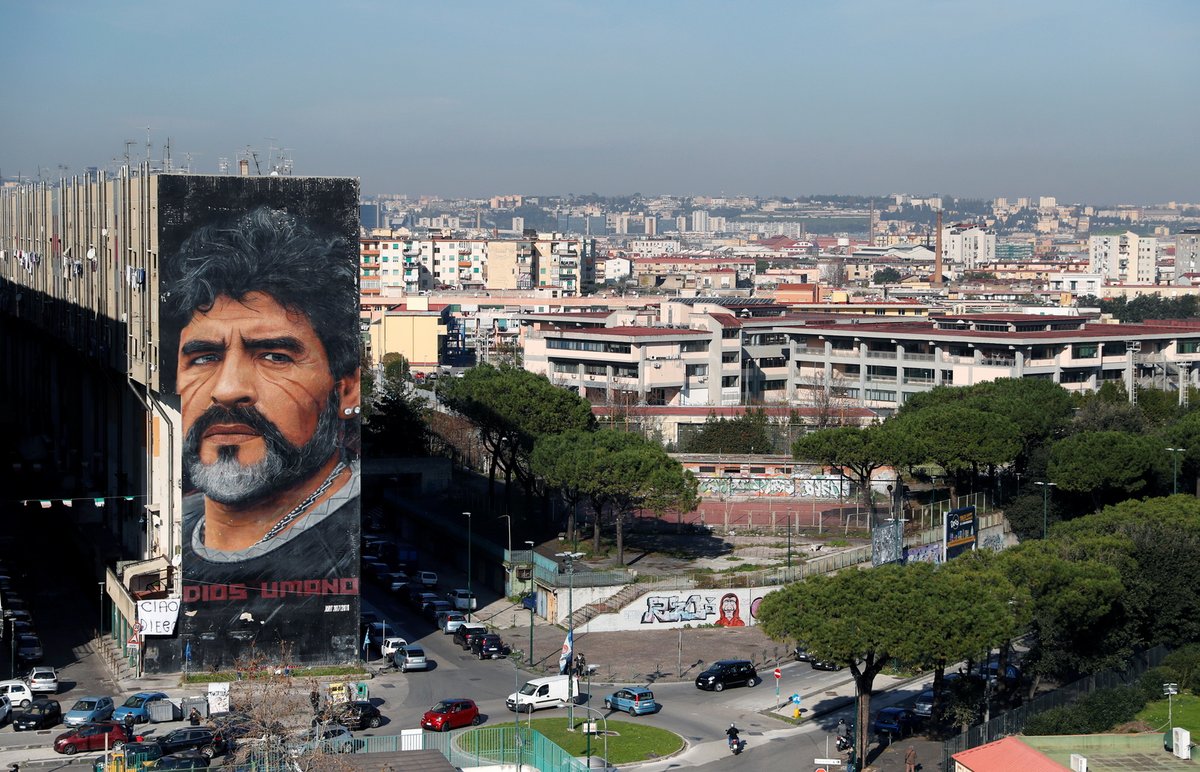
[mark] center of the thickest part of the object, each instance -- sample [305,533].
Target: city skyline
[1086,102]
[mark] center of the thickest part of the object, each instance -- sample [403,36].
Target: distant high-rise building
[700,221]
[1187,254]
[518,224]
[968,246]
[1124,258]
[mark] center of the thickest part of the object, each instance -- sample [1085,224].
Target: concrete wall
[672,609]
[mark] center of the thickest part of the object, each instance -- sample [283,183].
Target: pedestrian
[194,717]
[314,698]
[910,759]
[128,723]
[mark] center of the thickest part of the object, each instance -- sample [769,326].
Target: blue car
[634,700]
[87,710]
[894,722]
[138,706]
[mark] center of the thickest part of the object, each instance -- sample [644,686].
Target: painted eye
[277,358]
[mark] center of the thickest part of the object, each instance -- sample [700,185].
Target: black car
[488,646]
[824,664]
[137,754]
[801,654]
[184,760]
[728,672]
[200,738]
[357,715]
[41,714]
[464,634]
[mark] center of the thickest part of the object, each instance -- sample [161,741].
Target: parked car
[434,607]
[894,722]
[5,708]
[634,700]
[206,740]
[801,654]
[427,578]
[87,710]
[394,581]
[377,632]
[327,738]
[42,680]
[418,598]
[411,657]
[824,664]
[488,646]
[42,714]
[138,706]
[464,634]
[139,755]
[29,648]
[104,735]
[451,714]
[1012,673]
[360,714]
[545,692]
[923,704]
[728,672]
[184,761]
[451,620]
[462,600]
[18,692]
[391,645]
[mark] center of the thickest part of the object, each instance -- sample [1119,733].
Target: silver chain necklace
[303,506]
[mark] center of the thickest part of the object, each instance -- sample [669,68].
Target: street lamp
[1046,486]
[469,595]
[603,718]
[511,575]
[1175,467]
[530,657]
[1169,691]
[569,558]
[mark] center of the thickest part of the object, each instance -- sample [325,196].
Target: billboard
[258,312]
[960,532]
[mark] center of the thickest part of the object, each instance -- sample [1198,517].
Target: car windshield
[441,707]
[134,702]
[84,705]
[644,696]
[529,688]
[39,710]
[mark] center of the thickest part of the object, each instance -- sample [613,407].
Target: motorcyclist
[732,733]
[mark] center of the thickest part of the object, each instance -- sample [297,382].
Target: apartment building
[722,352]
[1187,255]
[968,245]
[686,271]
[1124,257]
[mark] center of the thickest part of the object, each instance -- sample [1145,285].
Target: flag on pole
[568,651]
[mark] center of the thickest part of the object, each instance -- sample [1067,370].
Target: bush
[1099,711]
[1185,663]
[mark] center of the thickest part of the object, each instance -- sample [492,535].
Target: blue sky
[1092,101]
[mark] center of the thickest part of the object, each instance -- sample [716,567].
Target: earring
[348,411]
[357,410]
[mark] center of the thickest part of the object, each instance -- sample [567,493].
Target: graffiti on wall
[928,553]
[795,487]
[730,609]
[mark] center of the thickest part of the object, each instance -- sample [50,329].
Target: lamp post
[1175,467]
[603,718]
[469,595]
[530,658]
[511,576]
[1169,691]
[789,545]
[569,559]
[1046,486]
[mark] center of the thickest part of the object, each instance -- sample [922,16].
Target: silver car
[411,657]
[43,680]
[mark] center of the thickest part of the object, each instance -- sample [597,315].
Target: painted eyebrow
[202,347]
[281,343]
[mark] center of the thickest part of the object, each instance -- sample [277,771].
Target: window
[881,395]
[595,370]
[772,362]
[692,346]
[695,370]
[774,385]
[1084,351]
[1115,349]
[729,381]
[729,357]
[625,371]
[731,333]
[708,469]
[758,470]
[587,345]
[1189,346]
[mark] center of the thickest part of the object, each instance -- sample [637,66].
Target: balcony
[365,252]
[411,252]
[881,355]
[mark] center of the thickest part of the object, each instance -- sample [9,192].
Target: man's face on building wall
[729,607]
[260,405]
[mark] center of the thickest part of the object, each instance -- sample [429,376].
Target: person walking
[910,759]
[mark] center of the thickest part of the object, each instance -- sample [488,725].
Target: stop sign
[778,673]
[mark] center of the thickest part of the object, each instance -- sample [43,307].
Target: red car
[91,737]
[451,714]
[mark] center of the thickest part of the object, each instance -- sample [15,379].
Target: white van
[549,692]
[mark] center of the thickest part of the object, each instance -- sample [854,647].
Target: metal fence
[1013,721]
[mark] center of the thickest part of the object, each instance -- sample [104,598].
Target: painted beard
[229,482]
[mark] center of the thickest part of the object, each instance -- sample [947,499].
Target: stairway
[114,658]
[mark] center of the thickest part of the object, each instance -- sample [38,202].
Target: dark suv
[360,714]
[728,672]
[200,738]
[464,634]
[488,646]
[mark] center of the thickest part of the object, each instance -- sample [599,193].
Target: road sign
[778,673]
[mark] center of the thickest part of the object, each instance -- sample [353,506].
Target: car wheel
[753,682]
[374,722]
[69,750]
[477,720]
[24,704]
[632,712]
[446,727]
[208,751]
[607,705]
[718,687]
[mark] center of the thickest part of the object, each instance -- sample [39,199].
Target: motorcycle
[845,742]
[735,745]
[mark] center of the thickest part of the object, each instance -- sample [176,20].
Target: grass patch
[630,742]
[1185,712]
[204,677]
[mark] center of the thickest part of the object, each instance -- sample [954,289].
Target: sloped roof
[1006,755]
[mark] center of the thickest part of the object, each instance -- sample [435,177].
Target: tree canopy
[746,434]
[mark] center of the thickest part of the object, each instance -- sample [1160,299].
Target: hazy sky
[1092,101]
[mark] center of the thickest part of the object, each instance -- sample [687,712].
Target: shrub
[1099,711]
[1185,662]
